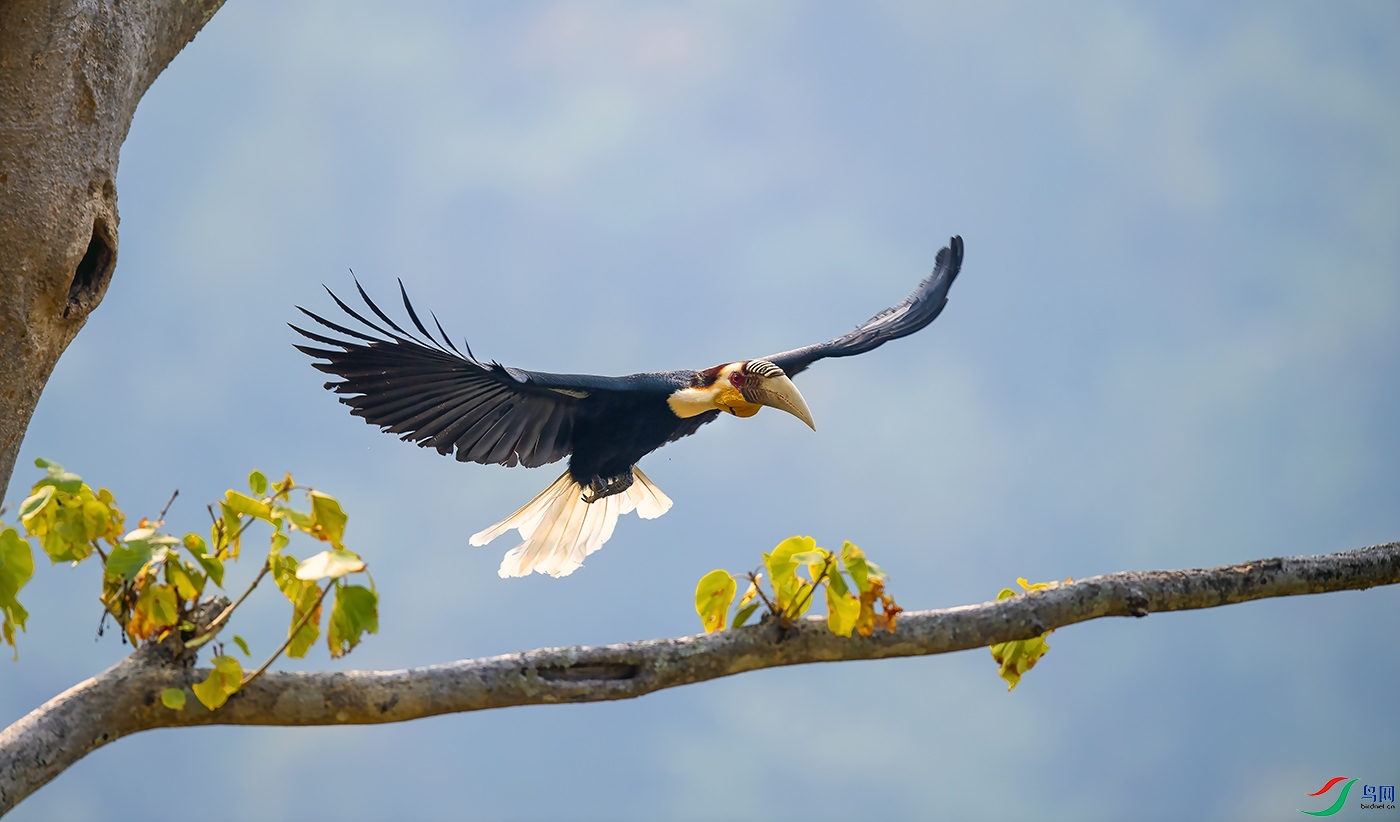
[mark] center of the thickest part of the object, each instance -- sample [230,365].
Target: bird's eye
[736,378]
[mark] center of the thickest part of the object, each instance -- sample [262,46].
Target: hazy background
[1175,343]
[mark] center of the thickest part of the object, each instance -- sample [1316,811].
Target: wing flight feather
[422,388]
[916,311]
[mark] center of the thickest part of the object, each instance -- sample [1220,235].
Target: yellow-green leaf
[303,595]
[328,519]
[257,483]
[242,645]
[749,593]
[303,522]
[854,560]
[244,504]
[712,598]
[224,679]
[842,609]
[194,543]
[1014,658]
[34,505]
[782,572]
[16,567]
[232,530]
[159,604]
[187,582]
[173,698]
[355,613]
[154,611]
[333,564]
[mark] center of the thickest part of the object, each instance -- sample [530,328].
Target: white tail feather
[559,529]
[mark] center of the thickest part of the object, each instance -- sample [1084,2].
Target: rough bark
[71,74]
[125,698]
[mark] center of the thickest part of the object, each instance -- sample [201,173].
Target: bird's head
[740,388]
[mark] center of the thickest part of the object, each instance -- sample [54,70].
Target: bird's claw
[601,488]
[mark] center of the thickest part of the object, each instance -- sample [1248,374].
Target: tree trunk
[71,74]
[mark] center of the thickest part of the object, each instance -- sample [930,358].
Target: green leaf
[173,698]
[355,613]
[128,558]
[333,564]
[744,613]
[303,522]
[856,565]
[257,483]
[328,519]
[16,567]
[304,596]
[244,504]
[712,598]
[242,645]
[224,679]
[232,529]
[58,478]
[194,543]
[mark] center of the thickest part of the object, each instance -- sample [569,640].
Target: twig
[296,629]
[168,503]
[758,589]
[227,612]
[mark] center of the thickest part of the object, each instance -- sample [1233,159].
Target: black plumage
[422,388]
[428,392]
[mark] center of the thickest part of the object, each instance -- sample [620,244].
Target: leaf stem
[758,589]
[306,617]
[798,606]
[227,612]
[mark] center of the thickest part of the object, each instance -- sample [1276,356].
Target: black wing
[428,392]
[916,311]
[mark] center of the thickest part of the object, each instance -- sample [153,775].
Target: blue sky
[1175,343]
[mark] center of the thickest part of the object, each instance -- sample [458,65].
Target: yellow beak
[779,392]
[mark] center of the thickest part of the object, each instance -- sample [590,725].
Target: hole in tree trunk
[90,278]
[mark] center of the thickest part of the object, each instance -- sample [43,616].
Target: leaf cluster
[152,581]
[852,584]
[1014,658]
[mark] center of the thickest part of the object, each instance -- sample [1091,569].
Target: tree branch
[71,75]
[125,699]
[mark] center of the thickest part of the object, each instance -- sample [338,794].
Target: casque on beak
[766,384]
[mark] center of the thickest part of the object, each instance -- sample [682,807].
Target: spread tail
[560,529]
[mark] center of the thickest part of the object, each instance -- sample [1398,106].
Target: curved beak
[779,392]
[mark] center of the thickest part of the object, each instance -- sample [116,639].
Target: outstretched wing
[428,392]
[916,311]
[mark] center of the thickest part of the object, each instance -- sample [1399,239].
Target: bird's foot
[606,487]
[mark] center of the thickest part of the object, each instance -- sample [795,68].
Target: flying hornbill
[430,393]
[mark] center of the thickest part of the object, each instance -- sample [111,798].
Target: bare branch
[125,698]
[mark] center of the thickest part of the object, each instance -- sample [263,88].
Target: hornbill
[428,392]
